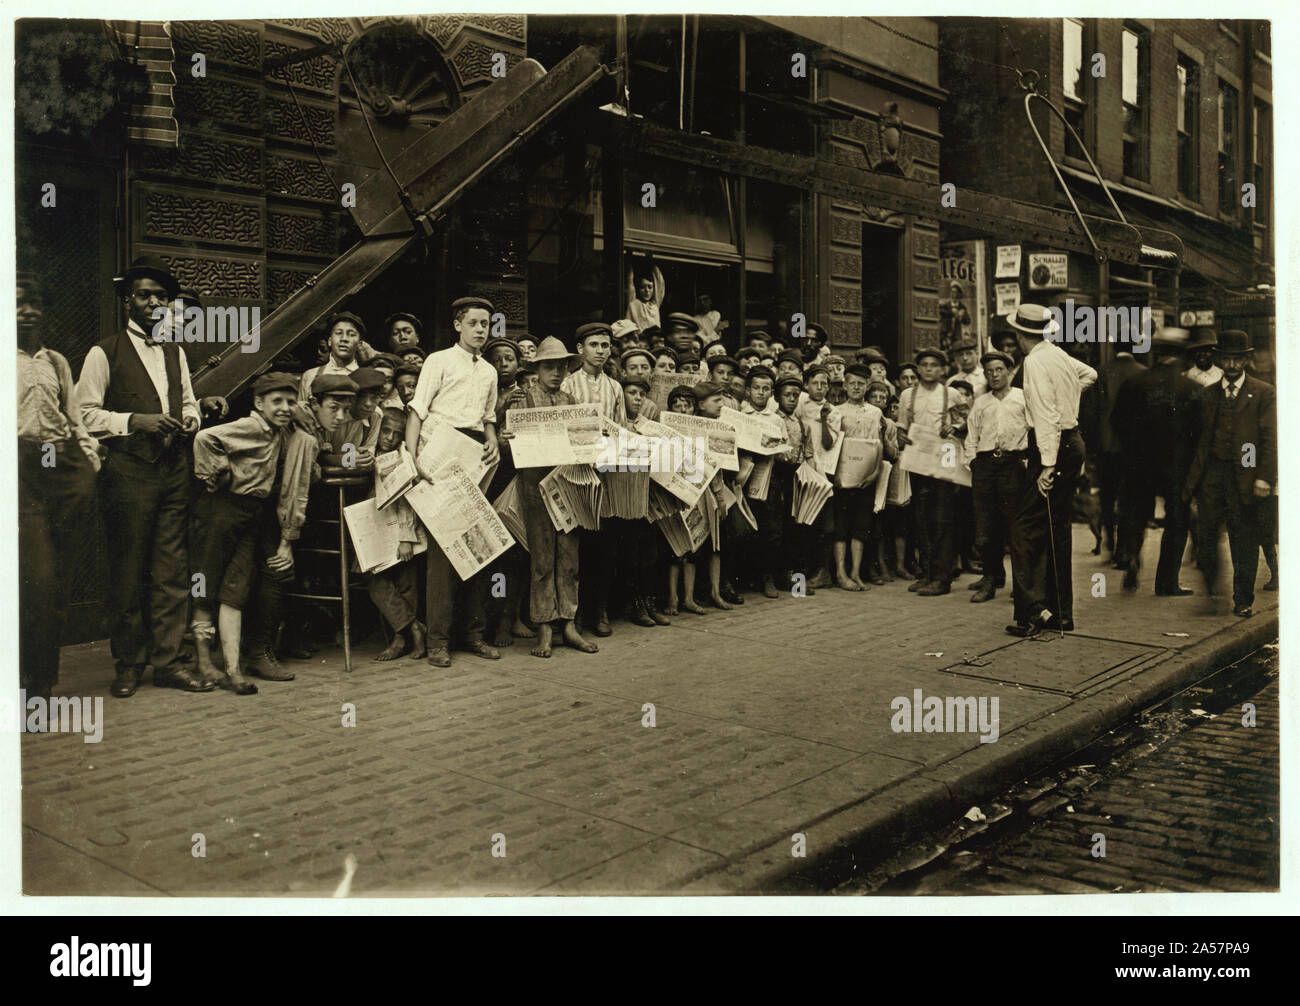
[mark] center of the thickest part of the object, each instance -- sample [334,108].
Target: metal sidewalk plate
[1067,665]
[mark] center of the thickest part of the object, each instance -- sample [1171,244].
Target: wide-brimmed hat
[1171,337]
[151,267]
[551,348]
[1233,342]
[1032,319]
[1203,337]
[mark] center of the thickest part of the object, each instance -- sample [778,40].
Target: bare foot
[419,640]
[574,638]
[862,584]
[399,647]
[845,583]
[718,602]
[520,631]
[692,607]
[543,647]
[504,637]
[670,608]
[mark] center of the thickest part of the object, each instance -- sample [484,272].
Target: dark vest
[1224,445]
[131,390]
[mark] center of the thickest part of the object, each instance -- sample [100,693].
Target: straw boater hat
[1169,337]
[1032,319]
[551,348]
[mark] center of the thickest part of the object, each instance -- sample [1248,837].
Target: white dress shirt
[1231,389]
[94,380]
[457,387]
[997,424]
[924,407]
[600,390]
[770,409]
[1054,380]
[1205,378]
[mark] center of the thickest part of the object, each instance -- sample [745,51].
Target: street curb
[939,794]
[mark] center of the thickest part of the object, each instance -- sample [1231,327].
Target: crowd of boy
[202,522]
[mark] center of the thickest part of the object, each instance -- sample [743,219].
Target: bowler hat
[147,267]
[551,348]
[1203,337]
[1233,342]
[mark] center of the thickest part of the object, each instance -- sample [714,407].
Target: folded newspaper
[459,517]
[375,537]
[572,496]
[718,438]
[757,433]
[934,456]
[394,474]
[510,508]
[441,442]
[811,491]
[555,435]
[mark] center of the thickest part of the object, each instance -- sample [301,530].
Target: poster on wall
[1007,296]
[1008,262]
[963,298]
[1049,270]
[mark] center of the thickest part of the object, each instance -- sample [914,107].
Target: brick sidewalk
[767,719]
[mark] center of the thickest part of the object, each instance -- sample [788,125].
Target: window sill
[1141,184]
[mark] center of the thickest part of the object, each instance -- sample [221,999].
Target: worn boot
[262,662]
[638,615]
[652,609]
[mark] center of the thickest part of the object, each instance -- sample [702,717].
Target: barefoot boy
[395,591]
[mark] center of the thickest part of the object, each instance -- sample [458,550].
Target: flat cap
[715,360]
[682,391]
[929,352]
[352,319]
[997,354]
[621,328]
[461,303]
[636,351]
[790,356]
[332,384]
[510,344]
[392,359]
[835,358]
[679,320]
[872,355]
[636,382]
[814,370]
[759,371]
[858,370]
[276,380]
[585,332]
[368,379]
[784,382]
[964,344]
[706,389]
[667,351]
[403,316]
[407,368]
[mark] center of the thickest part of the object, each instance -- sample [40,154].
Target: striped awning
[148,44]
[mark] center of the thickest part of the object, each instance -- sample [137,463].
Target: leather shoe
[1179,591]
[979,584]
[916,585]
[934,588]
[603,627]
[639,616]
[264,665]
[125,683]
[729,594]
[184,679]
[481,649]
[439,657]
[1025,631]
[1242,610]
[1131,577]
[1272,584]
[985,593]
[1052,625]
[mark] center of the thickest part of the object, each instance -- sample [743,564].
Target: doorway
[881,294]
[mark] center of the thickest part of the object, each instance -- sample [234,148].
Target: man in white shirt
[1041,541]
[457,386]
[1204,371]
[134,394]
[997,442]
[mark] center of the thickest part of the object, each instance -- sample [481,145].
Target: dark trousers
[1110,476]
[56,505]
[997,487]
[933,503]
[507,588]
[1041,536]
[395,593]
[1138,504]
[964,516]
[1220,502]
[145,507]
[636,556]
[598,560]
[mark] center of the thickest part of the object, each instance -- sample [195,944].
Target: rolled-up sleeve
[490,411]
[426,387]
[90,391]
[1041,391]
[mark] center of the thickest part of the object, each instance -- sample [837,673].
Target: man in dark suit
[1110,459]
[1234,468]
[1155,425]
[135,395]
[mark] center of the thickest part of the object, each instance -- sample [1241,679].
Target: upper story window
[1189,132]
[1229,109]
[1074,82]
[1135,89]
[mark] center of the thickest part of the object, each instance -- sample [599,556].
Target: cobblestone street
[768,721]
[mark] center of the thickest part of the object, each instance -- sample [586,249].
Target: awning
[433,172]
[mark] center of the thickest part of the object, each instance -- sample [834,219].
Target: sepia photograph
[989,609]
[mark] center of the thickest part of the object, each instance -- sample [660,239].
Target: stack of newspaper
[661,503]
[759,479]
[811,491]
[687,531]
[626,494]
[572,494]
[510,508]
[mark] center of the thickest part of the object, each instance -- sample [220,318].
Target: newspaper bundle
[882,486]
[460,518]
[627,494]
[858,461]
[374,534]
[718,438]
[811,491]
[760,480]
[826,459]
[510,508]
[661,503]
[687,531]
[555,435]
[572,495]
[757,433]
[394,474]
[934,456]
